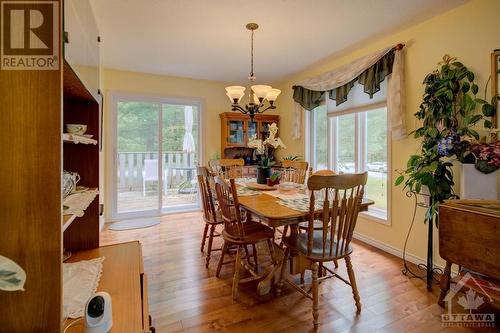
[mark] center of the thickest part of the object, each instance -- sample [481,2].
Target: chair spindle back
[229,206]
[340,198]
[295,171]
[204,180]
[227,168]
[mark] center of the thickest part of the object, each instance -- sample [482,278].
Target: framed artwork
[495,79]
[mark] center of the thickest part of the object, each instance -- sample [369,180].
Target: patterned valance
[309,94]
[369,72]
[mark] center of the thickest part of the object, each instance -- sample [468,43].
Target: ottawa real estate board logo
[30,35]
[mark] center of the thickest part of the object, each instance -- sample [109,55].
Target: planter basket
[477,185]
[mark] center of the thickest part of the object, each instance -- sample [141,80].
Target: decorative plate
[12,276]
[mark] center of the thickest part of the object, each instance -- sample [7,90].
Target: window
[156,146]
[319,135]
[354,142]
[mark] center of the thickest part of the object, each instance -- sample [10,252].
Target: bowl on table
[78,129]
[288,188]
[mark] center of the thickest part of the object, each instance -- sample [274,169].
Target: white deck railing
[178,167]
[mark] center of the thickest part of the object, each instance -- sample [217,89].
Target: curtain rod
[399,46]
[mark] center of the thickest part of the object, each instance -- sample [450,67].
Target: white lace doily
[76,203]
[80,281]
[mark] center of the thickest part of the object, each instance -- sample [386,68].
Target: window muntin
[359,142]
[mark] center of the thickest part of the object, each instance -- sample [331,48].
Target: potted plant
[274,179]
[478,178]
[292,158]
[262,148]
[450,114]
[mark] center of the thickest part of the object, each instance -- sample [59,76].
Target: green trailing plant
[450,113]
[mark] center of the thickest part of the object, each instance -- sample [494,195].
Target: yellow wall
[469,32]
[212,95]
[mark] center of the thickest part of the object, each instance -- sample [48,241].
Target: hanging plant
[450,113]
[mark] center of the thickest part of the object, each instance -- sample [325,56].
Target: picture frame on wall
[495,79]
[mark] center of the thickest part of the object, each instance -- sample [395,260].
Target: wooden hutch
[237,129]
[35,106]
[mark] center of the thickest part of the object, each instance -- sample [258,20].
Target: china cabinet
[237,129]
[35,106]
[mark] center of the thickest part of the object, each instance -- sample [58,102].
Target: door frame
[111,181]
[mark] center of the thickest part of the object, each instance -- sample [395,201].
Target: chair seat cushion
[254,232]
[299,243]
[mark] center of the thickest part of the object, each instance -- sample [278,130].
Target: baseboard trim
[398,252]
[389,249]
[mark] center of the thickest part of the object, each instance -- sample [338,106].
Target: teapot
[69,182]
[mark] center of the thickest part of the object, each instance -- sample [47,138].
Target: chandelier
[258,93]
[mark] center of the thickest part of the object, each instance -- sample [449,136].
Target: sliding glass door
[156,150]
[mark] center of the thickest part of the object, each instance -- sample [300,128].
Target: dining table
[267,206]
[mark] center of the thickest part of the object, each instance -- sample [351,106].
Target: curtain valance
[369,71]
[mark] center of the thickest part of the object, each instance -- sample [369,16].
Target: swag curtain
[369,71]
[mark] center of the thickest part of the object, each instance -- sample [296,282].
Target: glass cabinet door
[264,129]
[236,135]
[251,129]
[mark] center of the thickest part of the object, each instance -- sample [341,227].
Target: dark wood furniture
[469,232]
[237,129]
[340,198]
[210,215]
[80,107]
[30,200]
[239,234]
[35,106]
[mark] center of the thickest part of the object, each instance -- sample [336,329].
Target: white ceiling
[205,39]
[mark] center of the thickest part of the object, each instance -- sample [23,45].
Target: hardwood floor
[184,296]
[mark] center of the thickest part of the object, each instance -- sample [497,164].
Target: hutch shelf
[237,129]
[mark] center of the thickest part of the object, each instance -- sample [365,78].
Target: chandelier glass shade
[259,93]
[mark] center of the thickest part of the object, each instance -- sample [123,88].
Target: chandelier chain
[251,58]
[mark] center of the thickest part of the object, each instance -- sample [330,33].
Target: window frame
[361,150]
[111,195]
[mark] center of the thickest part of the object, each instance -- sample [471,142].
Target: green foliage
[275,176]
[449,112]
[138,126]
[376,143]
[292,158]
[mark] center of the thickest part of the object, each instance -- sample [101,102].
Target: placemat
[244,181]
[301,205]
[245,191]
[283,196]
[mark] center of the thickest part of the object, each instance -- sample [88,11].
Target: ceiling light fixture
[258,93]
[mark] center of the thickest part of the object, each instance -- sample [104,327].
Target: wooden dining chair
[317,224]
[295,171]
[227,168]
[210,214]
[339,197]
[239,234]
[325,172]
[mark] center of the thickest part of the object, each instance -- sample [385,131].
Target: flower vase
[477,185]
[262,174]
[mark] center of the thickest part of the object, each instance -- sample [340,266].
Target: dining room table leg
[294,232]
[248,216]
